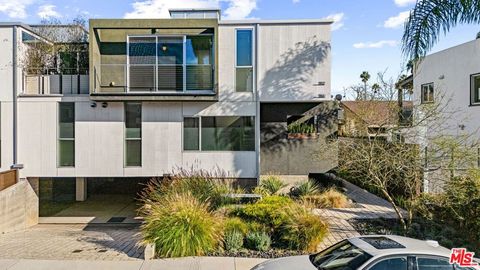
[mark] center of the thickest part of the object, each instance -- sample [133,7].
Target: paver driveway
[73,242]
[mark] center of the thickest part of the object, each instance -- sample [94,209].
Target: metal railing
[54,81]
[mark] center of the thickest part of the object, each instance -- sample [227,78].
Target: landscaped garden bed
[192,214]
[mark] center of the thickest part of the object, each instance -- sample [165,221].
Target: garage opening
[90,200]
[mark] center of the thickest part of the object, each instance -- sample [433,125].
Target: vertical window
[142,60]
[199,62]
[191,133]
[66,134]
[475,88]
[170,63]
[244,60]
[428,94]
[133,134]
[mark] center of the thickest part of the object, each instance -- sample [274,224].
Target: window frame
[60,139]
[184,64]
[200,125]
[473,101]
[125,139]
[236,66]
[422,94]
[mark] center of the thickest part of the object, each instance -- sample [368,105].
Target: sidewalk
[189,263]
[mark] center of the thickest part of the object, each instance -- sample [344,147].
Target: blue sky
[366,37]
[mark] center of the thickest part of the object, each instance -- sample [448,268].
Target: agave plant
[306,188]
[271,184]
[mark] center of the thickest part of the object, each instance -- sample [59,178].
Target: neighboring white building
[168,93]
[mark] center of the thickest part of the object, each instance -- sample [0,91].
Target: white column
[80,189]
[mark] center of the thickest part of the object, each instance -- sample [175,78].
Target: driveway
[73,242]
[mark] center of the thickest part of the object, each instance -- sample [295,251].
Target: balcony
[68,82]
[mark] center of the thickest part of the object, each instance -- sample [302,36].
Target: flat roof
[290,21]
[192,9]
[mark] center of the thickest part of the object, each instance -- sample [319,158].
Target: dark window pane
[433,264]
[66,151]
[142,78]
[170,51]
[133,149]
[244,80]
[191,134]
[228,133]
[170,78]
[199,50]
[244,48]
[199,77]
[476,88]
[142,50]
[133,120]
[391,264]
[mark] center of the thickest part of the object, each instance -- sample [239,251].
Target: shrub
[258,241]
[303,230]
[233,240]
[268,211]
[271,184]
[306,188]
[331,198]
[235,225]
[180,225]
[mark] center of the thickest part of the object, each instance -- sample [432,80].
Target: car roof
[397,245]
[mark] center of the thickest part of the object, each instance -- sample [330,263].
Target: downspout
[14,101]
[257,106]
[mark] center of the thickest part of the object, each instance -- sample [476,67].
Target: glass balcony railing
[147,78]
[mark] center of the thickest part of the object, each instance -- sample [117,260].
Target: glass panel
[142,50]
[133,120]
[170,51]
[199,50]
[476,88]
[433,264]
[170,78]
[340,256]
[391,264]
[228,133]
[67,120]
[244,47]
[133,153]
[191,134]
[66,151]
[199,77]
[142,78]
[244,80]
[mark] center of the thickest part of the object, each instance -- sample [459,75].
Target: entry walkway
[368,206]
[190,263]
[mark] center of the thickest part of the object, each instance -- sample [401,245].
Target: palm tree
[365,76]
[430,18]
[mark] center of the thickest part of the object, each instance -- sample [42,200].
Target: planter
[302,136]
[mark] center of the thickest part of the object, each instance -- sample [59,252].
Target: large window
[475,88]
[66,134]
[244,60]
[219,133]
[170,63]
[428,93]
[133,134]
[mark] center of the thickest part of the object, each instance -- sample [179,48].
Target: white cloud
[236,9]
[48,11]
[337,20]
[397,21]
[375,45]
[15,9]
[403,3]
[295,1]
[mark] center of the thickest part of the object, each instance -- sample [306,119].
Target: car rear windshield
[344,256]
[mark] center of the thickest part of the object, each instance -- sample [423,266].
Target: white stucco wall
[6,96]
[450,72]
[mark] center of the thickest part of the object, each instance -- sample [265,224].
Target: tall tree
[430,18]
[365,76]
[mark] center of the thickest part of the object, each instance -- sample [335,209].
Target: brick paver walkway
[368,206]
[72,242]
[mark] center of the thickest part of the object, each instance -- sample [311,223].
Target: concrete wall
[18,207]
[6,96]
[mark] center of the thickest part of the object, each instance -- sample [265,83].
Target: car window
[433,264]
[342,256]
[399,263]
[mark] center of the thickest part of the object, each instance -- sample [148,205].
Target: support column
[80,189]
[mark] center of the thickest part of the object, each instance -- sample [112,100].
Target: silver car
[376,252]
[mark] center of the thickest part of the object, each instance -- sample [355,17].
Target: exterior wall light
[93,104]
[104,105]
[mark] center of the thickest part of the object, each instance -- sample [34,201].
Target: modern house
[161,94]
[450,81]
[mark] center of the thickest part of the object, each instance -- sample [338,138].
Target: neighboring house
[370,119]
[449,80]
[159,94]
